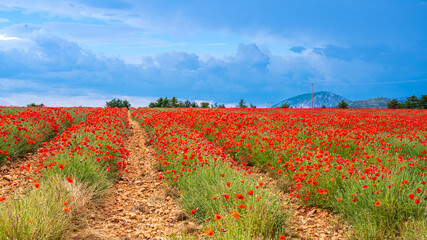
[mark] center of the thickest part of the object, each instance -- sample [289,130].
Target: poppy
[209,232]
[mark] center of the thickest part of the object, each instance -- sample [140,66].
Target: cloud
[178,60]
[40,64]
[4,37]
[94,100]
[297,49]
[4,20]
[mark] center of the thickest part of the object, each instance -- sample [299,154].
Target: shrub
[118,103]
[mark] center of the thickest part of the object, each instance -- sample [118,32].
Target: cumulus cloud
[38,63]
[297,49]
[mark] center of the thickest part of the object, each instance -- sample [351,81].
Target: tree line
[175,103]
[412,102]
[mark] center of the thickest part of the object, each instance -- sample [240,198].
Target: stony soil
[141,205]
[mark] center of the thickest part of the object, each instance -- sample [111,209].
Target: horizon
[85,52]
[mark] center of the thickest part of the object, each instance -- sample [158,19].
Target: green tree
[343,104]
[284,105]
[159,102]
[242,104]
[35,105]
[252,106]
[204,104]
[194,104]
[422,102]
[118,103]
[411,102]
[174,102]
[394,104]
[221,106]
[187,104]
[323,106]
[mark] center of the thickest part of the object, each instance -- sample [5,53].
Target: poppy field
[82,154]
[366,166]
[230,170]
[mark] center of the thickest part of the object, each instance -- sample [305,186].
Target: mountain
[378,102]
[319,99]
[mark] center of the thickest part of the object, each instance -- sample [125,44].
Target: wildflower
[235,214]
[65,202]
[365,186]
[66,209]
[69,180]
[339,199]
[37,185]
[193,211]
[282,237]
[217,217]
[240,196]
[241,206]
[228,184]
[377,203]
[250,192]
[355,199]
[411,196]
[209,232]
[2,199]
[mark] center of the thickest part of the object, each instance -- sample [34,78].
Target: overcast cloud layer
[86,52]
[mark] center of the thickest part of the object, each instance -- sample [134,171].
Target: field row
[73,169]
[367,166]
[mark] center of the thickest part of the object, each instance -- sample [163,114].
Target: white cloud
[93,100]
[4,20]
[4,37]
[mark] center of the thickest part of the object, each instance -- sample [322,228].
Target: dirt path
[306,223]
[139,207]
[15,176]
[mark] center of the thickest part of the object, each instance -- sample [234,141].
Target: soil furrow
[139,207]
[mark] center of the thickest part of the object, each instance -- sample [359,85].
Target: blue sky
[84,52]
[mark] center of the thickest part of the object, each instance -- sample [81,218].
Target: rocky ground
[141,206]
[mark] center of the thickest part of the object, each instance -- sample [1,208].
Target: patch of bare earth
[139,206]
[16,175]
[305,222]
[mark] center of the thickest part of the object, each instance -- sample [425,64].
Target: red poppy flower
[209,232]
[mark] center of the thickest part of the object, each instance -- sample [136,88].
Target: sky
[85,52]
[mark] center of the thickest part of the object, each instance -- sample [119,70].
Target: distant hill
[378,102]
[319,99]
